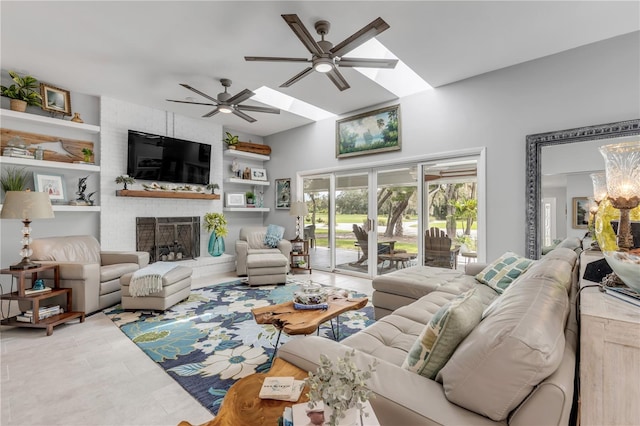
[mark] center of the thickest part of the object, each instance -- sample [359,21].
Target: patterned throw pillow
[503,271]
[274,235]
[442,335]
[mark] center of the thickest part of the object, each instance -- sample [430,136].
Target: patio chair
[309,234]
[438,251]
[362,241]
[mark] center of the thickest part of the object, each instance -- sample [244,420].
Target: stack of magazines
[13,151]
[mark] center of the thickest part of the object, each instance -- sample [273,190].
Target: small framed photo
[55,100]
[258,174]
[52,184]
[235,199]
[580,212]
[283,194]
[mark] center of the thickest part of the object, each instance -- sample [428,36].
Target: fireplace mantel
[166,194]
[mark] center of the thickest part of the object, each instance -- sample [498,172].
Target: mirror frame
[535,143]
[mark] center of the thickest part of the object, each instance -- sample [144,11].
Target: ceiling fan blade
[258,109]
[358,38]
[297,77]
[243,115]
[367,63]
[190,102]
[275,59]
[212,113]
[337,78]
[204,95]
[240,97]
[305,37]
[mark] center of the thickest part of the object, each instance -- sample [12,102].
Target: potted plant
[22,92]
[216,223]
[87,153]
[341,387]
[231,140]
[13,179]
[213,187]
[125,179]
[251,197]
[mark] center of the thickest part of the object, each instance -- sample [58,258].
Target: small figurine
[247,173]
[82,186]
[235,167]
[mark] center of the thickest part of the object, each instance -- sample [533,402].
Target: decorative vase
[76,118]
[216,245]
[350,416]
[18,105]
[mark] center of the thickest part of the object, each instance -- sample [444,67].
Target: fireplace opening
[168,239]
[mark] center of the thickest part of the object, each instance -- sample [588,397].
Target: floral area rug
[210,340]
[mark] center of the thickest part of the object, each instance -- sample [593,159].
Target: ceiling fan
[226,103]
[326,58]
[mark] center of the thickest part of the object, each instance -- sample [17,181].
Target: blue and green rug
[210,340]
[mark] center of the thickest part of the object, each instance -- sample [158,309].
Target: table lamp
[622,168]
[298,209]
[26,205]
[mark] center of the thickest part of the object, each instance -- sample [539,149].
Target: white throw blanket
[149,279]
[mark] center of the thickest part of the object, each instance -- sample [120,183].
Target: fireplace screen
[168,238]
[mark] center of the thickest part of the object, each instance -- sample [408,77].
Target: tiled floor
[90,374]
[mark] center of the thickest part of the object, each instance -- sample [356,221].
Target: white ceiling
[140,51]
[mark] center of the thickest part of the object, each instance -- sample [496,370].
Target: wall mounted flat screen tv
[166,159]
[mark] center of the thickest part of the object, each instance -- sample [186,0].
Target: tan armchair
[251,241]
[92,274]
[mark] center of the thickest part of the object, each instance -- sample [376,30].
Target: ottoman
[176,286]
[267,268]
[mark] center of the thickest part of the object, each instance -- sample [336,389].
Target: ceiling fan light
[323,65]
[225,109]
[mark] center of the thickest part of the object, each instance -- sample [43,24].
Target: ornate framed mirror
[535,143]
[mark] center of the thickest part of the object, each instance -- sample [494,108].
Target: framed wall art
[258,174]
[580,212]
[52,184]
[369,133]
[283,193]
[55,100]
[235,199]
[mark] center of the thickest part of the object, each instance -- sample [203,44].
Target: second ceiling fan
[326,58]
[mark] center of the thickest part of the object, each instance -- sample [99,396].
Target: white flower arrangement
[341,386]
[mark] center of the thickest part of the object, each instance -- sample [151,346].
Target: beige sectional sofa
[515,367]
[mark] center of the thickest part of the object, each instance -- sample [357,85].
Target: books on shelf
[43,313]
[624,293]
[12,151]
[31,292]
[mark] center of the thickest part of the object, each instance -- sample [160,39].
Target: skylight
[287,103]
[401,80]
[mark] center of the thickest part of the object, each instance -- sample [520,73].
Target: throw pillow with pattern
[274,235]
[444,332]
[503,271]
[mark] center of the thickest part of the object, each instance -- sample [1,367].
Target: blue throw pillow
[273,235]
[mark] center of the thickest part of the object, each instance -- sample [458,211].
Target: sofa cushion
[515,347]
[76,248]
[503,271]
[256,240]
[444,332]
[273,235]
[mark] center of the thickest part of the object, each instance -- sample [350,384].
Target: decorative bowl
[310,295]
[626,266]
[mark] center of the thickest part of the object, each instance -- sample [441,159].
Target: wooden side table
[300,251]
[21,275]
[243,406]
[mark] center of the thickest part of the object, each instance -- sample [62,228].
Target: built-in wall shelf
[45,164]
[247,181]
[246,209]
[68,208]
[9,115]
[166,194]
[244,154]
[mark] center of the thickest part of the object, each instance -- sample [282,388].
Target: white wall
[594,84]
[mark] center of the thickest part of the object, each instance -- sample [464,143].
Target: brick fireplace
[168,239]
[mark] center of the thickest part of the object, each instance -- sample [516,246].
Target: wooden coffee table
[305,321]
[243,407]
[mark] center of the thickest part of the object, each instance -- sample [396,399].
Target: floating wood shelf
[166,194]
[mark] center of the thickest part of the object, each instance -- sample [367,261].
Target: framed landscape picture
[55,100]
[283,193]
[369,133]
[580,212]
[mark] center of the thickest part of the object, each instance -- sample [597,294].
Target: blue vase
[216,245]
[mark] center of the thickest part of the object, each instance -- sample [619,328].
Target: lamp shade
[26,205]
[599,186]
[622,166]
[298,208]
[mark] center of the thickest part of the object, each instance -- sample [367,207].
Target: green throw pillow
[503,271]
[442,335]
